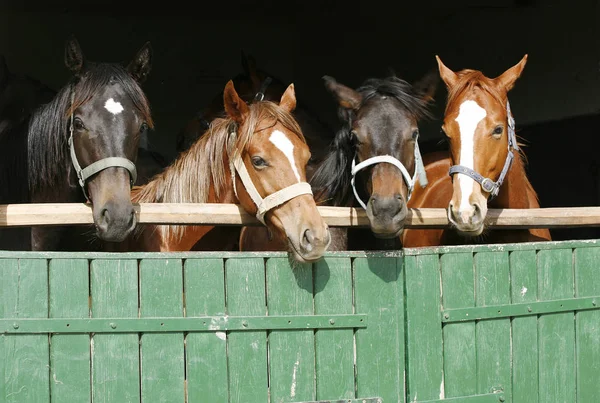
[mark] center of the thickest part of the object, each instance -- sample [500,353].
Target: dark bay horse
[256,156]
[83,144]
[372,162]
[485,167]
[20,95]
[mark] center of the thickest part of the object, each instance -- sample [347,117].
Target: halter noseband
[84,174]
[410,181]
[487,184]
[271,201]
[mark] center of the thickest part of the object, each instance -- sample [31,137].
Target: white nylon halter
[410,180]
[271,201]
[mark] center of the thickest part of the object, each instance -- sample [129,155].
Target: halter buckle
[488,185]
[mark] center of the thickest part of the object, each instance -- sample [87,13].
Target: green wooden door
[200,327]
[515,323]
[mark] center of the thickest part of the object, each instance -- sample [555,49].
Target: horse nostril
[105,215]
[308,240]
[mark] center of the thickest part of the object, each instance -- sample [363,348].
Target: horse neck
[179,237]
[516,191]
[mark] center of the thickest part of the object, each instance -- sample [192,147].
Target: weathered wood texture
[232,214]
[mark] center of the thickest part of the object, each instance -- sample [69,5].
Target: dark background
[197,48]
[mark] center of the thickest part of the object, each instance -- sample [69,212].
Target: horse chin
[304,257]
[470,232]
[388,234]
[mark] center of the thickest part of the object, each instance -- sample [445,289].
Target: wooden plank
[524,288]
[24,359]
[162,362]
[206,353]
[247,351]
[334,349]
[458,291]
[233,214]
[378,292]
[424,329]
[556,332]
[493,336]
[291,352]
[115,357]
[587,284]
[69,353]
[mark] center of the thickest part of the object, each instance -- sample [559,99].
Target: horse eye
[143,127]
[354,138]
[258,162]
[415,134]
[497,130]
[78,124]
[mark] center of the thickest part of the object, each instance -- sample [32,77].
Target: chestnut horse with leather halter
[83,145]
[485,167]
[256,156]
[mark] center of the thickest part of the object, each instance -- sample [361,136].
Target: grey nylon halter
[84,174]
[487,184]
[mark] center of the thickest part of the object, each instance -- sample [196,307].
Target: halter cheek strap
[410,181]
[487,184]
[271,201]
[84,174]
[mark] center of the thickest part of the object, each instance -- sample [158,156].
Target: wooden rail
[231,214]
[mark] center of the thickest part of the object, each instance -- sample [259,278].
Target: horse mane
[331,180]
[188,178]
[48,151]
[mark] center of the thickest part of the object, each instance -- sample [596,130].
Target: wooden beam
[49,214]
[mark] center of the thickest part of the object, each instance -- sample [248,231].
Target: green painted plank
[291,353]
[24,359]
[181,324]
[69,353]
[587,283]
[497,397]
[247,351]
[162,362]
[380,347]
[206,353]
[493,336]
[115,357]
[524,288]
[424,329]
[334,349]
[556,332]
[458,291]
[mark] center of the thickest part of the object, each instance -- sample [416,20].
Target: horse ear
[449,77]
[140,66]
[346,97]
[235,106]
[288,99]
[250,69]
[508,78]
[74,59]
[427,85]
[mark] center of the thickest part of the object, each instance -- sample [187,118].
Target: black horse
[82,146]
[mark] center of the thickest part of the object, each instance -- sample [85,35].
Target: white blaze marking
[287,148]
[469,116]
[113,107]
